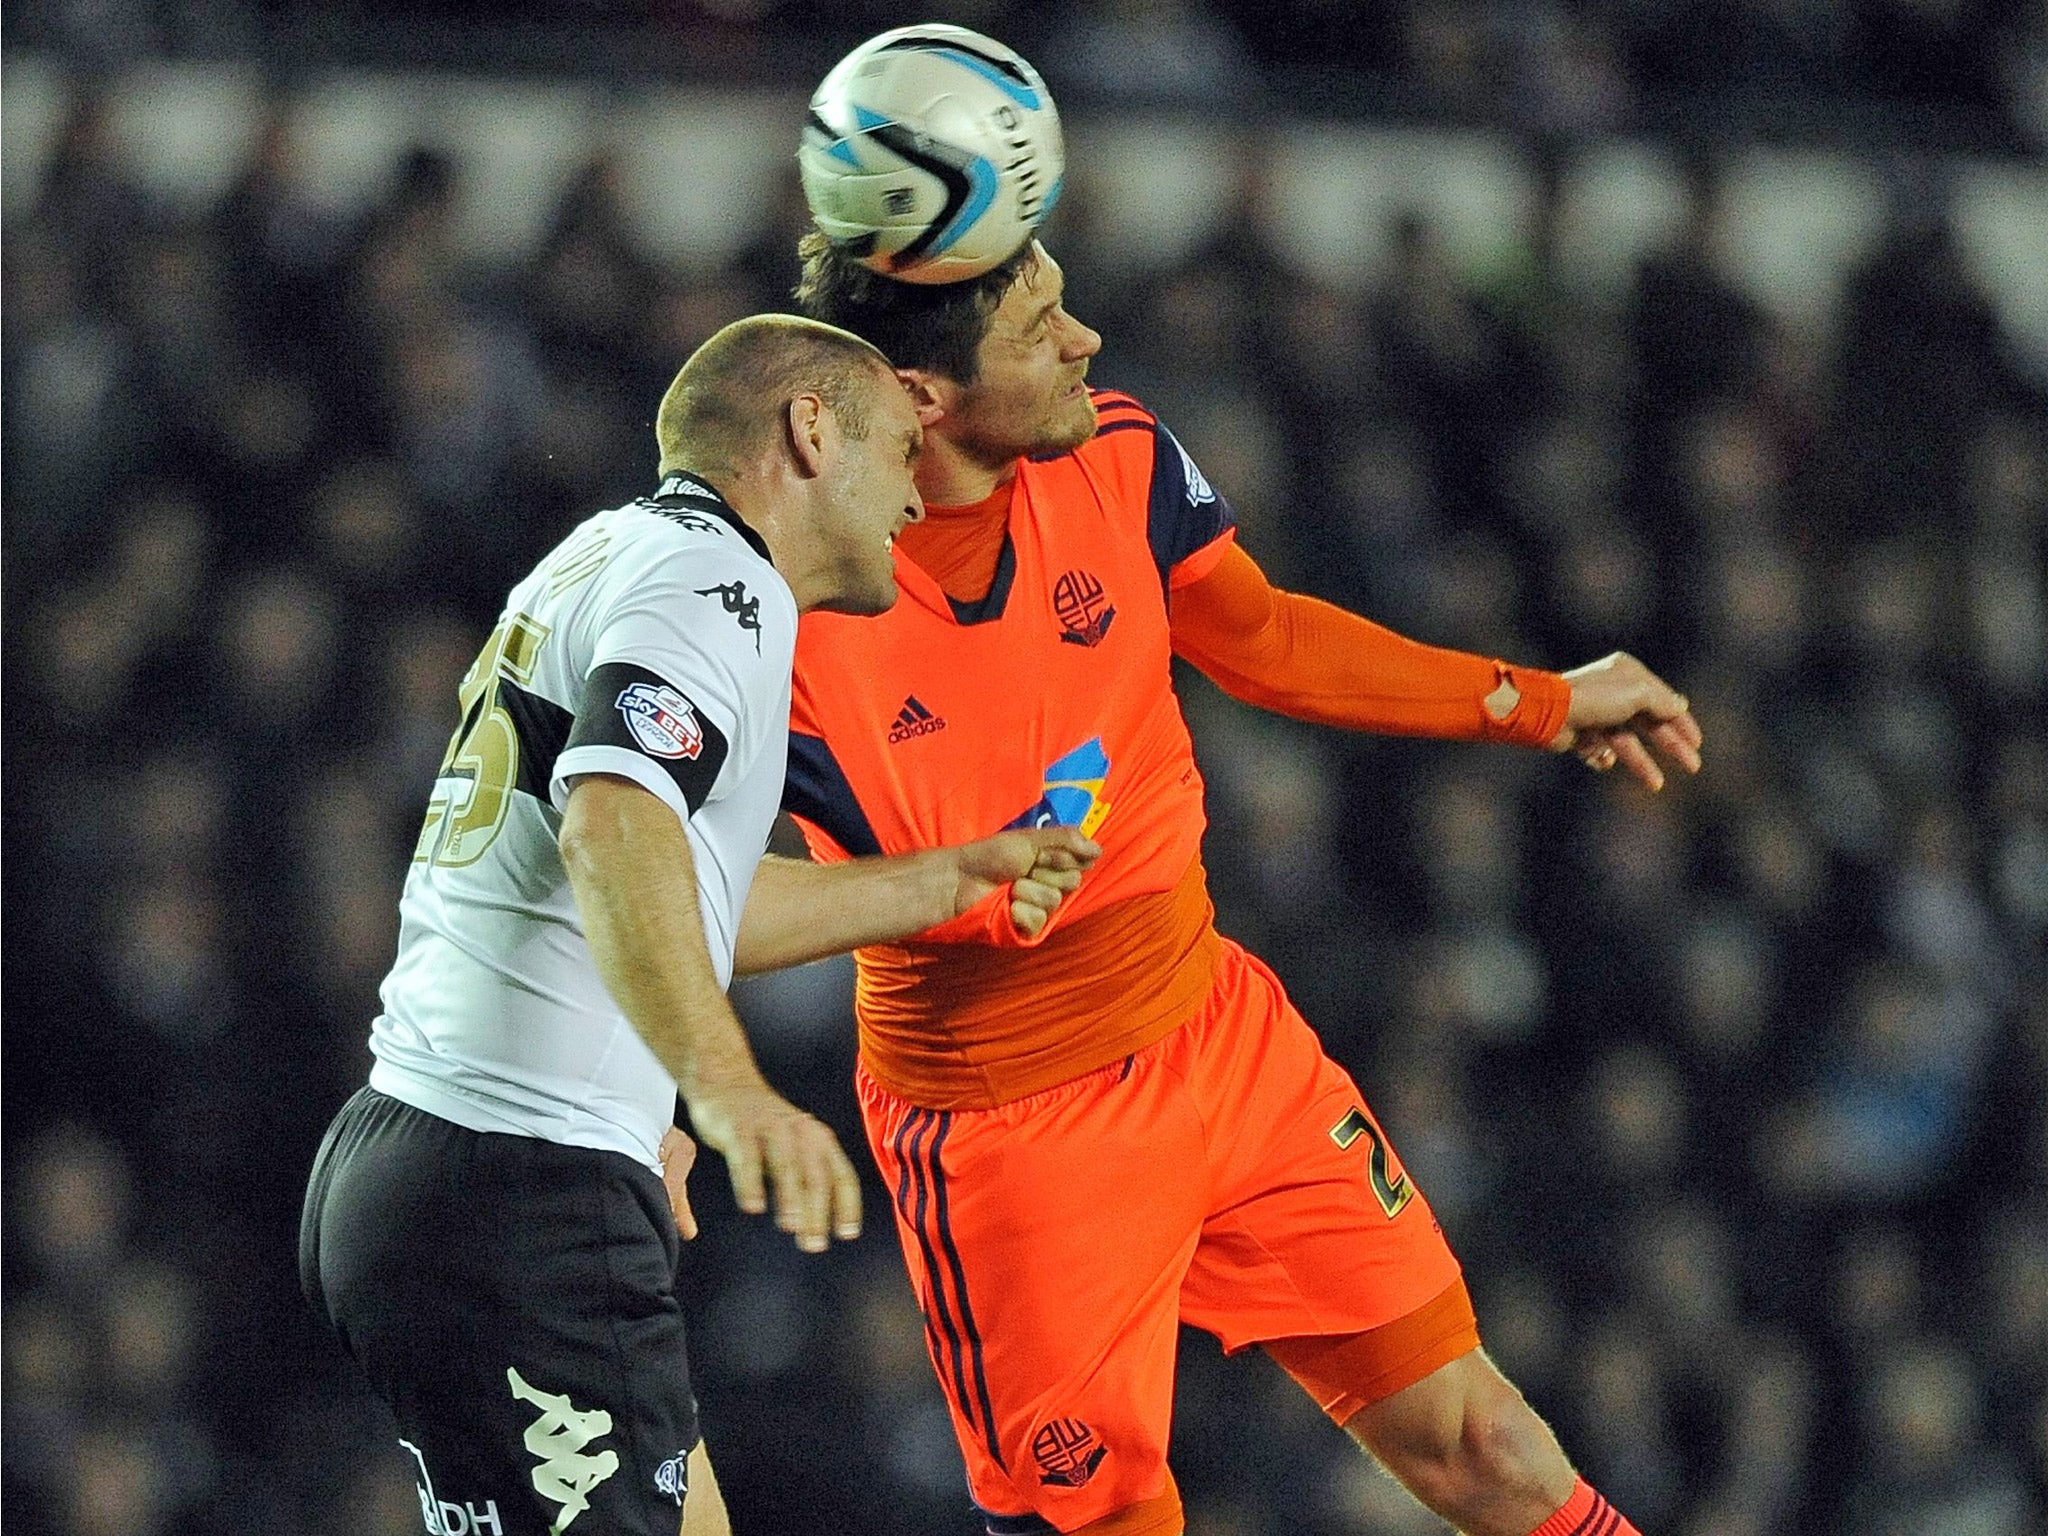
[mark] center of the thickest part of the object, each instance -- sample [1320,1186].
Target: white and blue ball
[931,153]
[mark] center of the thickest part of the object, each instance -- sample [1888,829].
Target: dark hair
[933,326]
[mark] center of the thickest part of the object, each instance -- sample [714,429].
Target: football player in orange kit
[1119,1123]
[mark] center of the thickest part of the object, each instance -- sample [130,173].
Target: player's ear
[804,426]
[932,395]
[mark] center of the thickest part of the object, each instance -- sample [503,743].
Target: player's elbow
[575,843]
[592,824]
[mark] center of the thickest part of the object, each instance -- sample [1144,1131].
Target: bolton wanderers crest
[1082,607]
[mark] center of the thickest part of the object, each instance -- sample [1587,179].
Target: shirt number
[1392,1193]
[474,784]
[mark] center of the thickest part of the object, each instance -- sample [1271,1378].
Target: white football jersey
[655,643]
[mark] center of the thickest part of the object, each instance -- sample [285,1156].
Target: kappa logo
[672,1477]
[693,522]
[662,721]
[745,609]
[1073,791]
[567,1473]
[1082,607]
[913,719]
[1067,1452]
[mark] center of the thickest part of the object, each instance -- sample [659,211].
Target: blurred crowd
[1954,71]
[1732,1099]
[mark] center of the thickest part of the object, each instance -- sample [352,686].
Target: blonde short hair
[725,406]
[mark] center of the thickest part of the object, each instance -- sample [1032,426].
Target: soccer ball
[931,153]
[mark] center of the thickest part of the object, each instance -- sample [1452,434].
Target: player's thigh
[1046,1241]
[1348,1373]
[1317,1227]
[513,1302]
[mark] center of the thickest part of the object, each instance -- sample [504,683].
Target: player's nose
[1082,340]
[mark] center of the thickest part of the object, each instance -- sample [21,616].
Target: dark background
[1731,1099]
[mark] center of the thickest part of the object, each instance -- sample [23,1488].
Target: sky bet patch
[662,721]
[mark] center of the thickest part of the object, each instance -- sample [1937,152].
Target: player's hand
[1040,865]
[678,1153]
[766,1140]
[1619,710]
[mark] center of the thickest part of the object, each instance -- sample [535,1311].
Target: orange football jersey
[1050,701]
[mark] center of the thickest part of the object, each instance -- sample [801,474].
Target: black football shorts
[514,1302]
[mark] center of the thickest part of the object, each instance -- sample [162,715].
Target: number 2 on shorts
[1393,1194]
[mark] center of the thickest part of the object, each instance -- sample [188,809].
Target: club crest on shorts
[672,1477]
[662,721]
[1081,604]
[1067,1452]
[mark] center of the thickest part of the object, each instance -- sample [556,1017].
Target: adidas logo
[913,719]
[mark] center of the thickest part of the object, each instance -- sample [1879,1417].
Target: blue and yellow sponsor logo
[1073,791]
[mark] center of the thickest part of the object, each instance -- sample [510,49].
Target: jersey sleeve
[817,792]
[680,683]
[1305,658]
[1187,522]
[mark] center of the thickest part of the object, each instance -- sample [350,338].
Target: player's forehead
[895,411]
[892,413]
[1039,289]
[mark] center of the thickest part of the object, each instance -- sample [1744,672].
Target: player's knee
[1444,1463]
[1503,1445]
[1460,1431]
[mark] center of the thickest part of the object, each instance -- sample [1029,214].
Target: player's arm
[798,911]
[635,882]
[1314,661]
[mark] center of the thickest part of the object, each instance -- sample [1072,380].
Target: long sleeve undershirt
[1302,657]
[1282,651]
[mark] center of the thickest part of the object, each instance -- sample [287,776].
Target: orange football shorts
[1228,1176]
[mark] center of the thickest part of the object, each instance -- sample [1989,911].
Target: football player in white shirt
[487,1225]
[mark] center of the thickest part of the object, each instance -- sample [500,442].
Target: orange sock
[1585,1513]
